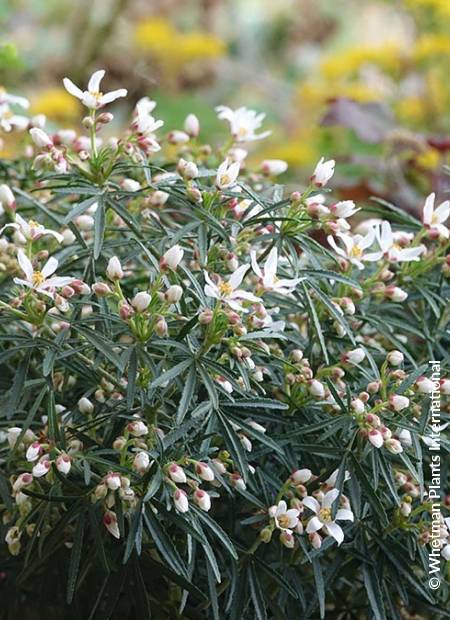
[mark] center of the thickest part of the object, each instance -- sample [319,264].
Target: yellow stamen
[283,520]
[356,252]
[325,514]
[225,288]
[37,278]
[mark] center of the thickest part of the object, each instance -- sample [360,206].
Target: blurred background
[363,81]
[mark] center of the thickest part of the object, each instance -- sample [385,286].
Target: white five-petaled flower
[390,249]
[343,209]
[227,174]
[354,246]
[31,230]
[434,219]
[229,291]
[92,98]
[323,172]
[40,281]
[144,122]
[243,123]
[284,519]
[323,519]
[268,275]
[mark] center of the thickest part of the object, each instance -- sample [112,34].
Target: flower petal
[25,264]
[94,81]
[50,267]
[113,95]
[314,525]
[335,531]
[236,278]
[311,503]
[343,514]
[72,88]
[330,498]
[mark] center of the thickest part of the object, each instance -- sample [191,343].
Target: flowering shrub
[208,409]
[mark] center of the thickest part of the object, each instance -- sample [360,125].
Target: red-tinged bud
[101,289]
[126,312]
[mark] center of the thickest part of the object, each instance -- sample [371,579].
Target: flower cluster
[177,335]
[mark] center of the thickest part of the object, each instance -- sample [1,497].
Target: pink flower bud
[112,481]
[141,462]
[395,358]
[161,328]
[114,270]
[202,499]
[41,468]
[181,501]
[126,312]
[141,301]
[393,445]
[375,438]
[287,539]
[101,289]
[301,476]
[425,385]
[398,402]
[316,389]
[137,428]
[176,473]
[172,258]
[204,471]
[192,125]
[110,522]
[173,294]
[395,293]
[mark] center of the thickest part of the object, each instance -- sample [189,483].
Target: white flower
[33,452]
[284,519]
[114,269]
[8,98]
[141,462]
[343,209]
[243,123]
[9,120]
[144,123]
[172,258]
[227,174]
[273,167]
[110,522]
[405,437]
[354,246]
[434,219]
[268,275]
[181,501]
[41,468]
[393,445]
[390,249]
[32,230]
[323,172]
[228,291]
[323,519]
[40,281]
[445,386]
[141,301]
[92,98]
[113,481]
[63,463]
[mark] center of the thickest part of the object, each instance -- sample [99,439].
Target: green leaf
[233,444]
[256,593]
[75,557]
[169,375]
[165,546]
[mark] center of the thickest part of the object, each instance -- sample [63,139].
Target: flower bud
[161,327]
[395,293]
[202,499]
[33,452]
[192,125]
[141,301]
[174,293]
[40,138]
[137,428]
[176,473]
[125,312]
[398,402]
[395,358]
[300,476]
[7,199]
[287,539]
[85,406]
[425,385]
[101,289]
[141,462]
[178,137]
[114,270]
[266,534]
[180,500]
[393,445]
[273,167]
[204,471]
[375,438]
[356,356]
[316,389]
[172,258]
[41,468]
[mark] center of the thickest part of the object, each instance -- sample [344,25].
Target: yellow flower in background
[348,62]
[312,94]
[431,45]
[429,159]
[441,7]
[300,150]
[159,37]
[57,105]
[411,110]
[196,44]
